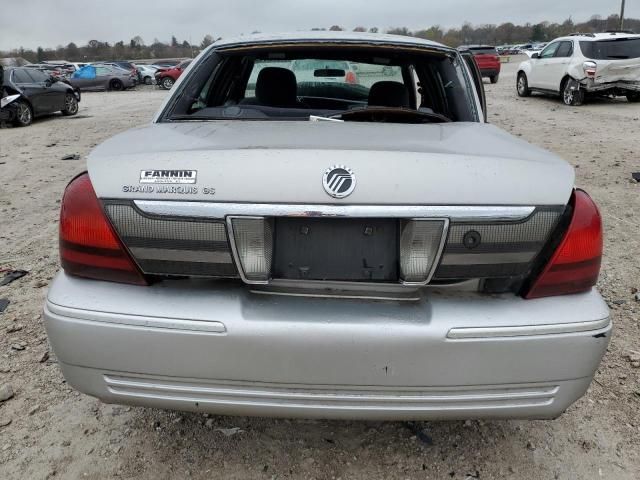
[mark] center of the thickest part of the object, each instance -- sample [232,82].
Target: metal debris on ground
[229,432]
[73,156]
[12,276]
[419,433]
[636,176]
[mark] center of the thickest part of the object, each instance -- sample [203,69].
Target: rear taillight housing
[89,246]
[590,69]
[575,264]
[351,78]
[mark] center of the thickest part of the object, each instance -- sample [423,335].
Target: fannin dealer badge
[168,176]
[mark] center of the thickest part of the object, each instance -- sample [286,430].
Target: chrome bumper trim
[221,210]
[528,330]
[292,397]
[151,323]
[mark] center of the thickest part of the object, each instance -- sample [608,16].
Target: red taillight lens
[575,265]
[89,246]
[351,78]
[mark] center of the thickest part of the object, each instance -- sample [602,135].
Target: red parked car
[166,78]
[487,59]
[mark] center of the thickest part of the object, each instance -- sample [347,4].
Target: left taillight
[89,246]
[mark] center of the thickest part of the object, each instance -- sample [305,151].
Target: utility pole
[622,16]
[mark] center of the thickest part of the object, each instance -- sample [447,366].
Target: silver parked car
[103,77]
[311,249]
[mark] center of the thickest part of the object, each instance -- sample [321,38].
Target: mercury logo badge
[339,181]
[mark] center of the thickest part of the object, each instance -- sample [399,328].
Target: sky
[50,23]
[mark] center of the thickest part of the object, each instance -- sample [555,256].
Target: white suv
[591,63]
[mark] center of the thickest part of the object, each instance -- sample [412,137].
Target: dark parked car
[487,59]
[166,78]
[40,94]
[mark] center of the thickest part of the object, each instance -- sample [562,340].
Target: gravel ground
[48,430]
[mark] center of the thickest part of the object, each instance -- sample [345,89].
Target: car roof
[593,37]
[329,36]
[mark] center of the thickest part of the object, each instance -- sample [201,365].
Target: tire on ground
[571,93]
[116,85]
[522,85]
[70,105]
[24,117]
[167,83]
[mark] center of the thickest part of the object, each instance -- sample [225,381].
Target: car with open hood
[166,77]
[310,248]
[582,65]
[28,93]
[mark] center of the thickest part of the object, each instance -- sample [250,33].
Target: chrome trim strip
[166,254]
[527,330]
[155,323]
[143,385]
[456,213]
[487,258]
[411,296]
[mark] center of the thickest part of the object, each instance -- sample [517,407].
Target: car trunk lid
[284,162]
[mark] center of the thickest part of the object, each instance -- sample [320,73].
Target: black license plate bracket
[336,249]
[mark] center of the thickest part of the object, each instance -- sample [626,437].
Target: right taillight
[575,265]
[89,247]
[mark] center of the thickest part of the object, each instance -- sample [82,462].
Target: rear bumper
[212,347]
[591,86]
[490,72]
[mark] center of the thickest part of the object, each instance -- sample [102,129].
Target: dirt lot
[48,430]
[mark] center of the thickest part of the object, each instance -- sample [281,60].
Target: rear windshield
[483,51]
[325,82]
[620,48]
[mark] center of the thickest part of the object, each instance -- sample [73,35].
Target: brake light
[89,247]
[575,265]
[589,69]
[351,78]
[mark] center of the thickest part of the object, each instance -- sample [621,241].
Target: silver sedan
[103,77]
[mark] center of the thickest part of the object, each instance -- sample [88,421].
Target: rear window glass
[21,76]
[37,76]
[483,51]
[618,49]
[314,74]
[359,84]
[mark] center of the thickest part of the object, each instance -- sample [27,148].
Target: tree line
[505,33]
